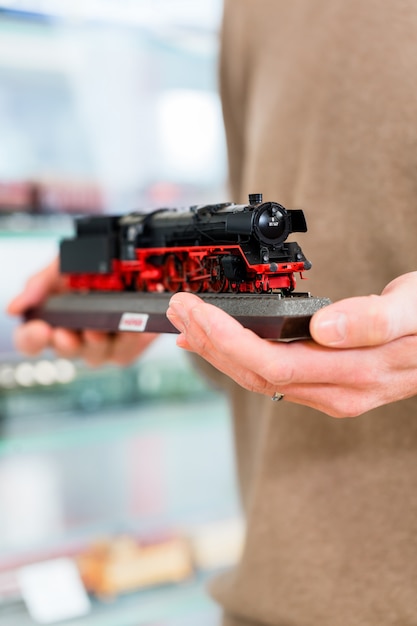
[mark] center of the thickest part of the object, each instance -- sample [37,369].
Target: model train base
[269,316]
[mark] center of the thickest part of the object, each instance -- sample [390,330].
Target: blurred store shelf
[143,471]
[108,106]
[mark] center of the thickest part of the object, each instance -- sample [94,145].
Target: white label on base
[133,322]
[53,591]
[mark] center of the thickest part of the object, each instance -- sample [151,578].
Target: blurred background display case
[126,473]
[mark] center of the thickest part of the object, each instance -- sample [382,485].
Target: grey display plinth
[268,315]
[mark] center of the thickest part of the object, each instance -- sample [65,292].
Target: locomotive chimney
[255,198]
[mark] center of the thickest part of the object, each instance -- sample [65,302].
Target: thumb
[37,289]
[369,320]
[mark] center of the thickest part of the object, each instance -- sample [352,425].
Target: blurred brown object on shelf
[71,196]
[45,197]
[115,566]
[16,196]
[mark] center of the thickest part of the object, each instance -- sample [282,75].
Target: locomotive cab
[94,247]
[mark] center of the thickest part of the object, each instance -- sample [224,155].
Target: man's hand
[364,352]
[96,348]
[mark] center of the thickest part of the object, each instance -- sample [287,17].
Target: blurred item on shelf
[218,545]
[42,372]
[53,591]
[126,563]
[116,566]
[51,197]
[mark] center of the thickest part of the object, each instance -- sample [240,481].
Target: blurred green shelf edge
[210,412]
[144,608]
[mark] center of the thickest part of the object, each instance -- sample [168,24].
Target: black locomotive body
[210,248]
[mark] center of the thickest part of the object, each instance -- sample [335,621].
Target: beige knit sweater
[320,104]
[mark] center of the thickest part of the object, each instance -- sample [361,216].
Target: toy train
[240,248]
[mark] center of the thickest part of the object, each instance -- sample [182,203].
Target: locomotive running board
[269,316]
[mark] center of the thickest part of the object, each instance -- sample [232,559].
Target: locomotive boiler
[240,248]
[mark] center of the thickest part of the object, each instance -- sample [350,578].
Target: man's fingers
[126,347]
[33,337]
[66,343]
[371,320]
[250,360]
[37,289]
[352,323]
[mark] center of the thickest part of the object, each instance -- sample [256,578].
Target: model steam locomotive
[216,248]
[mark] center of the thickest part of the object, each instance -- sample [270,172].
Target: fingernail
[332,330]
[177,315]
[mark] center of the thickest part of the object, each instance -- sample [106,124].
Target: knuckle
[254,383]
[348,407]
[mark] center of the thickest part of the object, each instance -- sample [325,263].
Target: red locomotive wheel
[173,278]
[217,281]
[194,275]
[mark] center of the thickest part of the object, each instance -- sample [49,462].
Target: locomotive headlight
[272,223]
